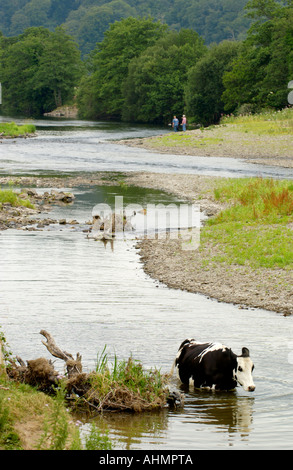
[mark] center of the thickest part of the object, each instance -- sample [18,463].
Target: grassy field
[11,129]
[256,229]
[265,135]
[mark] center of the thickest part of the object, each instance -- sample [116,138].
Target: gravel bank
[223,141]
[166,261]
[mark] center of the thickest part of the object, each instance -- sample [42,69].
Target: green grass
[182,140]
[125,385]
[264,123]
[11,197]
[254,229]
[13,130]
[21,404]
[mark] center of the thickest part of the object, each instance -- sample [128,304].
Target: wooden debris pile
[87,390]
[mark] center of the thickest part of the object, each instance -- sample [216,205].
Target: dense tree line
[87,20]
[145,71]
[177,73]
[39,70]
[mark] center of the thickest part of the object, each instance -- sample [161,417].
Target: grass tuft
[10,129]
[11,197]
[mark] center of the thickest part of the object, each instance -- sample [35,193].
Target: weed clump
[10,129]
[125,386]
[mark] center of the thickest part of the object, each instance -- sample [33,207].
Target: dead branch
[82,387]
[53,348]
[74,366]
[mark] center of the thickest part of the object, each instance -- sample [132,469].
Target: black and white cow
[213,365]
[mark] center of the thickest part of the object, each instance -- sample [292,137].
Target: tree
[59,68]
[88,25]
[124,41]
[205,87]
[154,88]
[261,72]
[38,69]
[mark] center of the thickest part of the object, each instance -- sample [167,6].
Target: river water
[88,295]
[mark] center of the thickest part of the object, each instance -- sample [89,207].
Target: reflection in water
[227,411]
[88,295]
[131,430]
[226,414]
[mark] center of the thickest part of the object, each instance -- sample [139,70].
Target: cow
[213,365]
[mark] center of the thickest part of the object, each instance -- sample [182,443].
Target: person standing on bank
[175,124]
[183,123]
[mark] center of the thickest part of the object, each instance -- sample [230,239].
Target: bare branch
[53,348]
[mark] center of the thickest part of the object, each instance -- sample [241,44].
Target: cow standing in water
[213,365]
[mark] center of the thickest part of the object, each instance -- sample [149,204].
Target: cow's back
[206,364]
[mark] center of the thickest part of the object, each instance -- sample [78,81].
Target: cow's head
[243,373]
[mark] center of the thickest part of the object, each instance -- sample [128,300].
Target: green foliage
[262,71]
[205,87]
[8,195]
[89,23]
[96,440]
[87,20]
[124,41]
[13,130]
[56,426]
[254,230]
[39,70]
[9,440]
[146,70]
[268,122]
[154,88]
[125,385]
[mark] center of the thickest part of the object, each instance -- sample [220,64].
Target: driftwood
[41,373]
[73,366]
[81,388]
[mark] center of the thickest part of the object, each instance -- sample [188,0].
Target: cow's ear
[245,352]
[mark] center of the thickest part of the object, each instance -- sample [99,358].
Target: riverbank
[264,139]
[194,270]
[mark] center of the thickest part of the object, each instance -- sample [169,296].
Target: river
[88,295]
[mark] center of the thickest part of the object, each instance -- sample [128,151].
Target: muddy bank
[168,262]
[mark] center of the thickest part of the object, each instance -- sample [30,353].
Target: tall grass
[254,230]
[126,385]
[256,199]
[266,122]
